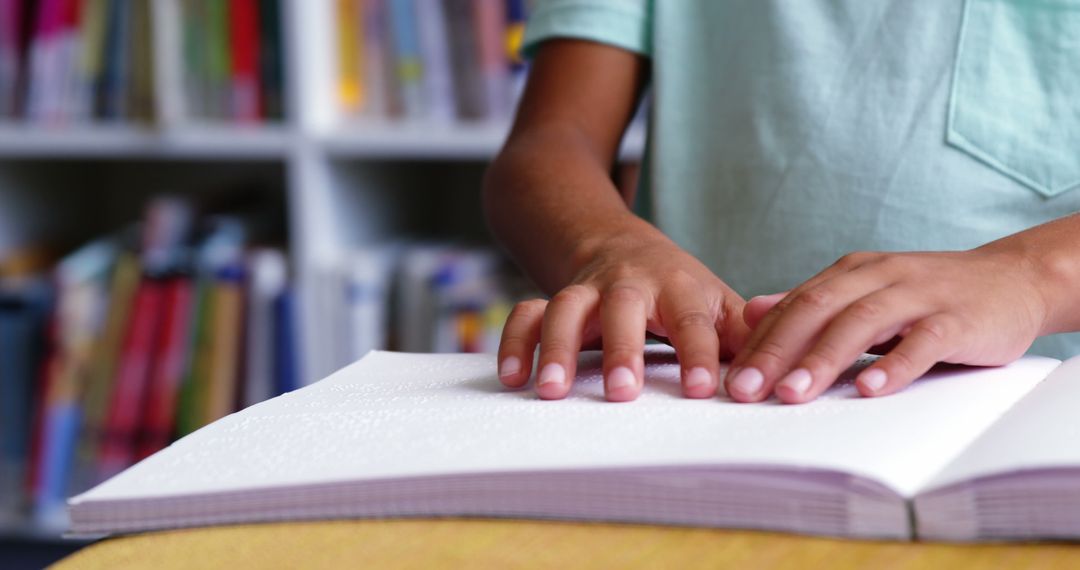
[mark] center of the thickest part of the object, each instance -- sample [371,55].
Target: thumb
[757,307]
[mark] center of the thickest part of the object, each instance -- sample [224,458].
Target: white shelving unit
[344,184]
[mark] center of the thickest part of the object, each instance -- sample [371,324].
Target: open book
[962,454]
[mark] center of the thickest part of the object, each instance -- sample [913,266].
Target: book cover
[222,389]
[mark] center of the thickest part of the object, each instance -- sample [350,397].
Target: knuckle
[526,309]
[682,280]
[690,320]
[815,299]
[933,330]
[865,310]
[621,347]
[622,272]
[553,347]
[823,356]
[768,351]
[623,293]
[901,360]
[851,260]
[571,295]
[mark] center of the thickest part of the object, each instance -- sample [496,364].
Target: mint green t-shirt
[786,133]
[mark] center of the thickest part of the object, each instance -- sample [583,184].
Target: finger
[790,331]
[731,329]
[866,322]
[520,336]
[930,340]
[764,322]
[691,327]
[757,307]
[560,339]
[623,314]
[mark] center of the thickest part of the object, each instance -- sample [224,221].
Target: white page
[395,415]
[1041,431]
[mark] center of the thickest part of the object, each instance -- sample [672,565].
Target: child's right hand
[633,284]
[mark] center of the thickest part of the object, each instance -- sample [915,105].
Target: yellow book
[223,364]
[350,58]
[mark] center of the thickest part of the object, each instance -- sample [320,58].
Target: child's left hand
[981,307]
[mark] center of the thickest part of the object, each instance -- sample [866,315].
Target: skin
[614,278]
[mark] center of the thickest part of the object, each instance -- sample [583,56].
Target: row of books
[413,298]
[429,60]
[119,350]
[74,61]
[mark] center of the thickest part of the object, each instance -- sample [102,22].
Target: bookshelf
[339,182]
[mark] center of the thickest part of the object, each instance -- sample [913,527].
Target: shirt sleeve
[625,24]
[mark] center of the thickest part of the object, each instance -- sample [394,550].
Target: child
[785,134]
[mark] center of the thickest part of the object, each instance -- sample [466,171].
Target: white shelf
[125,142]
[463,141]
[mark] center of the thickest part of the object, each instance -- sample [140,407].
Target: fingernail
[698,377]
[621,377]
[510,366]
[748,381]
[552,374]
[798,381]
[873,379]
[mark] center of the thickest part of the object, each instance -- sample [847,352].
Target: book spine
[271,60]
[112,97]
[268,274]
[376,53]
[124,417]
[286,355]
[244,43]
[350,88]
[168,365]
[101,376]
[435,48]
[222,387]
[408,62]
[490,22]
[168,62]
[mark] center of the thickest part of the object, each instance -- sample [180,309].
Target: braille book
[963,454]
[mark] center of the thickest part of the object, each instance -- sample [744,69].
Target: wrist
[627,232]
[1050,275]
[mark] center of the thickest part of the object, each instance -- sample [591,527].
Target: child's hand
[632,285]
[979,307]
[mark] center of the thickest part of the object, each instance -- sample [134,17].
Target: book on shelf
[415,297]
[128,342]
[428,60]
[962,454]
[167,62]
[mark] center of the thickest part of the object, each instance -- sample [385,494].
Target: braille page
[1040,432]
[395,415]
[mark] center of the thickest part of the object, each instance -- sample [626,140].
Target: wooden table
[536,544]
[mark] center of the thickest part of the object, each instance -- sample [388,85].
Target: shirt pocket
[1015,101]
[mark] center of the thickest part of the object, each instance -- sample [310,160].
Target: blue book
[407,57]
[23,317]
[286,353]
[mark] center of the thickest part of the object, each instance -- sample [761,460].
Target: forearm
[551,203]
[548,196]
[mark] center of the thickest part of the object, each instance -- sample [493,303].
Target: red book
[132,376]
[244,47]
[167,367]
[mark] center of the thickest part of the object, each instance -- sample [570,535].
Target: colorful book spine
[350,89]
[408,60]
[133,373]
[168,366]
[224,366]
[244,51]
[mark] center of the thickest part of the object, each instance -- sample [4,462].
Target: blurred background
[206,203]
